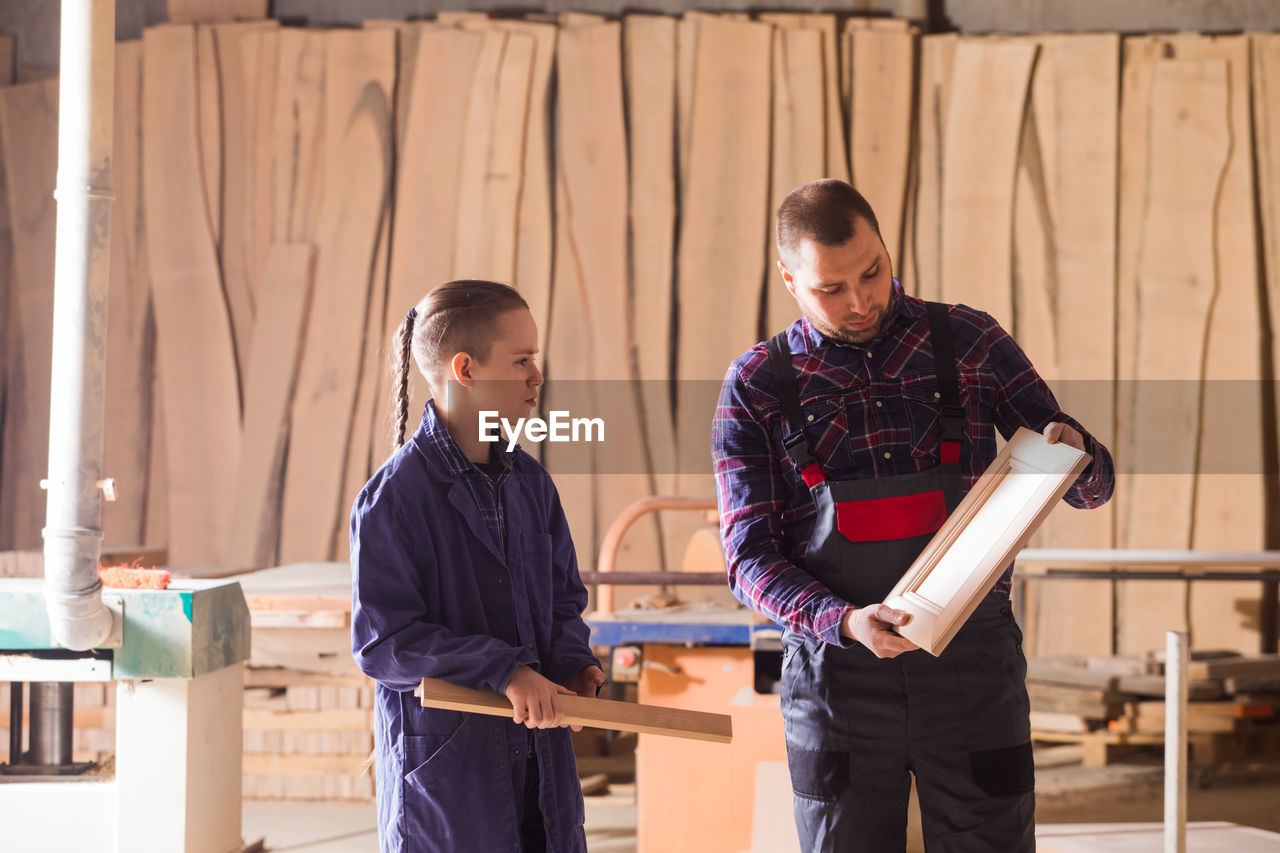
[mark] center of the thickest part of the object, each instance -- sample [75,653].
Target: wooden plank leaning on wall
[649,57]
[592,170]
[1069,190]
[359,83]
[195,356]
[1188,146]
[29,130]
[724,234]
[127,433]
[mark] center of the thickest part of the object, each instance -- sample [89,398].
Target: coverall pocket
[1005,771]
[421,751]
[818,774]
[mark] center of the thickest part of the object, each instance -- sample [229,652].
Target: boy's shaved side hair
[825,212]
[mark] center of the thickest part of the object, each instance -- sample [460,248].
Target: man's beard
[859,337]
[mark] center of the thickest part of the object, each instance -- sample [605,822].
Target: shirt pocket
[922,402]
[826,427]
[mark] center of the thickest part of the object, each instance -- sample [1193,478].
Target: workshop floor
[1121,793]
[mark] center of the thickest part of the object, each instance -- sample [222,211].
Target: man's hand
[873,627]
[535,701]
[585,683]
[1065,433]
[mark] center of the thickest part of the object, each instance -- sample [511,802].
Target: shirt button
[879,405]
[888,455]
[809,419]
[499,580]
[868,353]
[937,396]
[517,752]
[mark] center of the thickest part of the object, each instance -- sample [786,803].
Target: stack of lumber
[1113,705]
[308,711]
[1100,196]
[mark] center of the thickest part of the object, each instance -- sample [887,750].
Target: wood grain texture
[1266,130]
[29,135]
[989,83]
[1230,509]
[359,75]
[127,444]
[937,53]
[424,232]
[835,144]
[209,127]
[724,232]
[237,107]
[1081,191]
[649,55]
[274,359]
[195,355]
[799,151]
[1188,148]
[493,158]
[593,263]
[6,268]
[883,90]
[298,152]
[582,711]
[260,51]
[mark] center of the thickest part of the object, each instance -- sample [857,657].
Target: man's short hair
[825,212]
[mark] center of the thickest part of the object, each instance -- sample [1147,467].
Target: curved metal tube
[629,516]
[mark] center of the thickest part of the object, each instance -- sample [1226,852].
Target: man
[840,446]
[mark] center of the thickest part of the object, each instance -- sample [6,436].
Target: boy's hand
[585,683]
[535,700]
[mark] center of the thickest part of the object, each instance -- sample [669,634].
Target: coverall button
[879,405]
[810,418]
[937,395]
[530,645]
[888,455]
[499,580]
[517,752]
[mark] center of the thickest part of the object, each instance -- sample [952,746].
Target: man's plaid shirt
[870,411]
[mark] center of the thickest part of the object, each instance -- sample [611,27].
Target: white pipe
[72,538]
[1176,661]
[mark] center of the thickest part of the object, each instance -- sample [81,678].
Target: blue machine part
[741,628]
[191,628]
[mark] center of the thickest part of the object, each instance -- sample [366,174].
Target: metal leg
[52,703]
[16,722]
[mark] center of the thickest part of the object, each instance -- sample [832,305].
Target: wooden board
[358,130]
[423,238]
[260,50]
[582,711]
[29,135]
[945,584]
[493,158]
[127,445]
[209,127]
[649,55]
[187,11]
[1081,186]
[724,236]
[269,388]
[6,270]
[989,85]
[1230,508]
[799,152]
[1189,143]
[937,53]
[592,168]
[237,109]
[195,354]
[883,91]
[1266,132]
[298,171]
[836,147]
